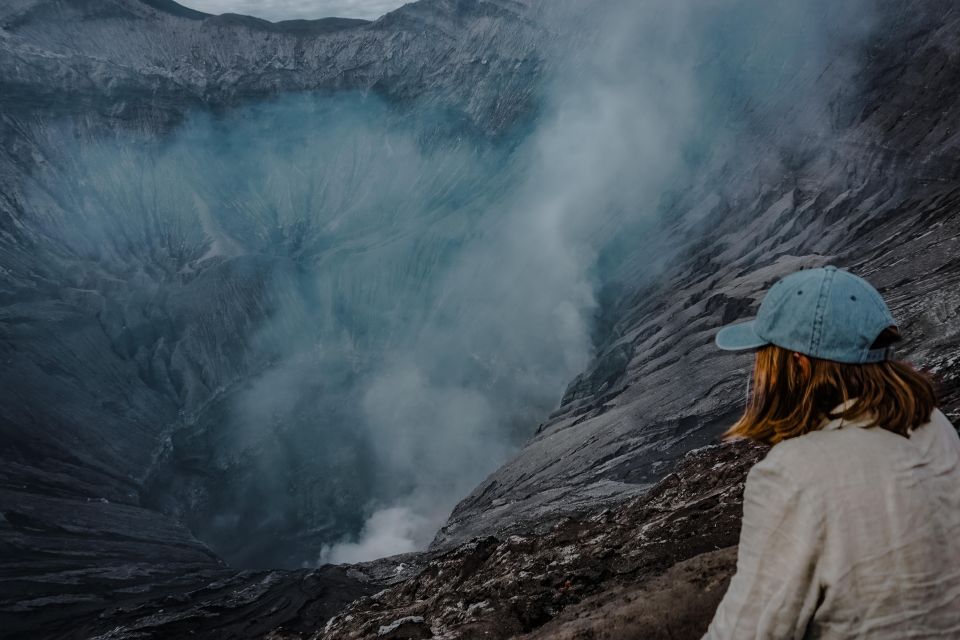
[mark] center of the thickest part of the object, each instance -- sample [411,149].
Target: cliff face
[594,519]
[131,60]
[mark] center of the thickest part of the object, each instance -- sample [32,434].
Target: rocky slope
[604,516]
[518,583]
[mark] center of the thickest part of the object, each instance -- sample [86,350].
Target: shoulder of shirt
[943,423]
[938,417]
[806,457]
[799,459]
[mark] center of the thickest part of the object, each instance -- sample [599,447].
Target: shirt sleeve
[775,591]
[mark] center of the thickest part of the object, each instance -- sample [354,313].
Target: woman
[851,524]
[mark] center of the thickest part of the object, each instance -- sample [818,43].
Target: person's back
[851,527]
[887,512]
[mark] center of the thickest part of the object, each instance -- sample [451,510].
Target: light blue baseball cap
[824,313]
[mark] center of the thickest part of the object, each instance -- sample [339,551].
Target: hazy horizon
[275,10]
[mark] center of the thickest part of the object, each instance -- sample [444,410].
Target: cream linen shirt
[850,532]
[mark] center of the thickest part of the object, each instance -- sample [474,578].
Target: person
[851,523]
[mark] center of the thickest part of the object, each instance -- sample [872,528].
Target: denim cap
[825,313]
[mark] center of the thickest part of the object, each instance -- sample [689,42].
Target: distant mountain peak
[175,8]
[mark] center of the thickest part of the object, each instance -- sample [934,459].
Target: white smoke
[388,532]
[428,302]
[519,300]
[626,101]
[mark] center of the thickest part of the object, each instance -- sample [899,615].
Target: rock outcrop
[133,60]
[519,582]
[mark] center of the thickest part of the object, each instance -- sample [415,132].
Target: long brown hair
[788,398]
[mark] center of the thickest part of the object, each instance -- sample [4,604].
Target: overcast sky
[291,9]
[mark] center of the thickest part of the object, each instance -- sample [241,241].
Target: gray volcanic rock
[133,59]
[204,603]
[508,585]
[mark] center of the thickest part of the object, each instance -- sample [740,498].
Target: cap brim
[740,336]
